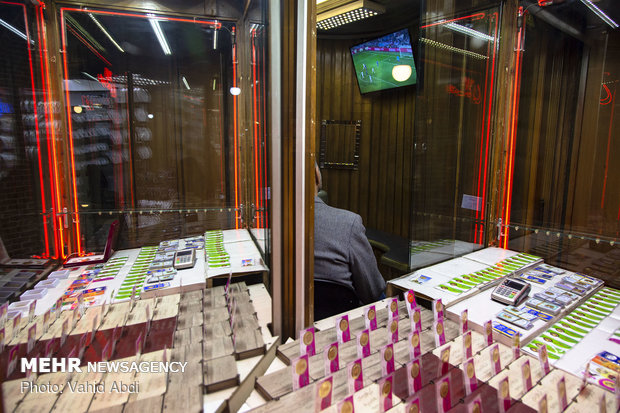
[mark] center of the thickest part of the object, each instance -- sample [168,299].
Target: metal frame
[356,150]
[275,82]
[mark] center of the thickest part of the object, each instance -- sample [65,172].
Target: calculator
[184,259]
[511,291]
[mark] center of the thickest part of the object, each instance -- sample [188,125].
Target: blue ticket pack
[541,273]
[156,286]
[532,278]
[521,312]
[505,330]
[539,314]
[514,319]
[550,268]
[610,357]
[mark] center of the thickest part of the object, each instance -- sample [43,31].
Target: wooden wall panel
[600,145]
[380,190]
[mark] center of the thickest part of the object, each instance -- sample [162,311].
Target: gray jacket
[342,253]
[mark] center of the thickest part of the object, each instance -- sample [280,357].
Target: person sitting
[342,253]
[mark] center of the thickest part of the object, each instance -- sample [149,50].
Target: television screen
[384,63]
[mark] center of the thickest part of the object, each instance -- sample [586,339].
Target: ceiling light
[600,13]
[468,31]
[334,13]
[185,83]
[235,91]
[106,32]
[160,36]
[14,30]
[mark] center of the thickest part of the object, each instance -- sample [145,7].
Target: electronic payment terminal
[184,259]
[511,291]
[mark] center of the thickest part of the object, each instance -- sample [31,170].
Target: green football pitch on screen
[375,70]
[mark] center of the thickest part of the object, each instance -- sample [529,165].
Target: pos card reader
[185,259]
[511,291]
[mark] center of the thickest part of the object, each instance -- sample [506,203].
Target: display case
[29,121]
[151,115]
[193,126]
[165,152]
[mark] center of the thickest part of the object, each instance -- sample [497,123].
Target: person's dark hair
[317,177]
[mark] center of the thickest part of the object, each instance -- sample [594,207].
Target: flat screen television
[384,63]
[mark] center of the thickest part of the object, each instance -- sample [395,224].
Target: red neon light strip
[488,128]
[259,131]
[254,118]
[486,79]
[36,129]
[611,121]
[259,85]
[39,43]
[518,93]
[17,4]
[50,164]
[234,56]
[476,16]
[58,225]
[265,171]
[607,99]
[91,48]
[217,25]
[489,115]
[512,140]
[37,133]
[70,127]
[261,108]
[505,183]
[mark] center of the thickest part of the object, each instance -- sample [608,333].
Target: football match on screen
[384,63]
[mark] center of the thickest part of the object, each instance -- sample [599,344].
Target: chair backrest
[331,298]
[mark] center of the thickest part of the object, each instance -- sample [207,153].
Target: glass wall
[155,120]
[452,149]
[152,119]
[28,122]
[565,204]
[254,88]
[514,142]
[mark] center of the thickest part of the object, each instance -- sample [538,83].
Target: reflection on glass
[565,202]
[452,149]
[258,178]
[27,225]
[152,123]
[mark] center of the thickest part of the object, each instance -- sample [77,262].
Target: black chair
[331,298]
